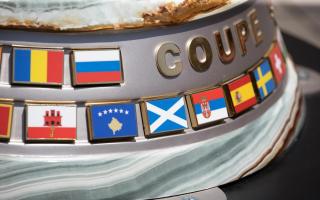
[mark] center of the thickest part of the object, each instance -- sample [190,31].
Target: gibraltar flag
[46,122]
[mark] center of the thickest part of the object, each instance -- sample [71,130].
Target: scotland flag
[112,121]
[166,115]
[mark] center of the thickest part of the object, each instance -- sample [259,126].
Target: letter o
[204,64]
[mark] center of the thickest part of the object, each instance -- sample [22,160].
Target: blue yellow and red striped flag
[38,66]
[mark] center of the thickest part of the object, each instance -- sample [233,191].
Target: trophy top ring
[81,15]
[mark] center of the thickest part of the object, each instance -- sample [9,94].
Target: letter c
[165,69]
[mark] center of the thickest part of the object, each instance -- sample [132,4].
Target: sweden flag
[264,79]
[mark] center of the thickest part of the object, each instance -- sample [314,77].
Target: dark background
[296,174]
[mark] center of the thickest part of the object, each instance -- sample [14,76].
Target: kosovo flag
[264,79]
[112,121]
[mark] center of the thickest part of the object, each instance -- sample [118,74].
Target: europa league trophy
[140,99]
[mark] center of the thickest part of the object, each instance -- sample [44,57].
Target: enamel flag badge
[264,80]
[277,63]
[207,107]
[51,122]
[112,121]
[164,116]
[6,111]
[0,55]
[38,66]
[97,67]
[242,94]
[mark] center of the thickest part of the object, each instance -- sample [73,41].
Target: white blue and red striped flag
[97,66]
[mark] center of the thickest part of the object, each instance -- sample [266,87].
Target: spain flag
[242,94]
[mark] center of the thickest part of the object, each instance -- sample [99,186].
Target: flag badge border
[283,48]
[90,126]
[48,140]
[74,74]
[254,81]
[11,106]
[192,114]
[1,51]
[145,118]
[231,108]
[50,84]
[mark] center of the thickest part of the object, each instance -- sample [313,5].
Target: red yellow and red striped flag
[242,94]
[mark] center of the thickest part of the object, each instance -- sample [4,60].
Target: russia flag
[97,66]
[210,106]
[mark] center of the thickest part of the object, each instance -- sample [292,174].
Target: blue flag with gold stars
[264,79]
[111,121]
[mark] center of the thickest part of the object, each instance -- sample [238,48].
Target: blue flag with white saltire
[111,121]
[166,115]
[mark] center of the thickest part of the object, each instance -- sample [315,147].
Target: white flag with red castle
[46,122]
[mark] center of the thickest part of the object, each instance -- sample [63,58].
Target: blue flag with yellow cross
[264,79]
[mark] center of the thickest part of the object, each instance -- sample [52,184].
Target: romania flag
[38,66]
[242,94]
